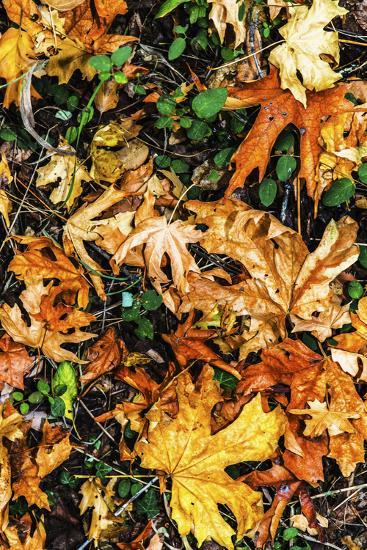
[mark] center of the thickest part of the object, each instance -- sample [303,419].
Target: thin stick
[122,508]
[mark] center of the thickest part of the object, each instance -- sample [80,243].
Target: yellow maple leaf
[323,418]
[16,57]
[69,173]
[185,449]
[305,43]
[97,497]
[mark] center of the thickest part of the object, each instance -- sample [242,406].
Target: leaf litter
[183,342]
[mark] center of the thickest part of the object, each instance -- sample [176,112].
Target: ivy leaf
[151,300]
[121,55]
[148,504]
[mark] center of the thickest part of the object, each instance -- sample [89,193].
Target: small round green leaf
[180,166]
[17,395]
[121,55]
[166,105]
[123,488]
[267,191]
[290,533]
[102,63]
[121,78]
[355,290]
[43,387]
[144,328]
[198,130]
[6,134]
[223,157]
[285,167]
[24,408]
[151,300]
[210,102]
[177,48]
[341,191]
[36,397]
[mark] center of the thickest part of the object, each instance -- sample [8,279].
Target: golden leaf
[69,173]
[94,496]
[305,42]
[284,278]
[325,418]
[185,449]
[227,12]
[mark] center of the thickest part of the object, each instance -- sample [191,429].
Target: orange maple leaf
[278,109]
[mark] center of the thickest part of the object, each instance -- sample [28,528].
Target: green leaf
[210,102]
[267,191]
[162,161]
[341,191]
[363,256]
[127,299]
[65,376]
[285,167]
[151,300]
[355,290]
[285,141]
[225,379]
[6,134]
[63,115]
[86,116]
[24,408]
[72,102]
[123,488]
[71,134]
[57,406]
[131,313]
[164,122]
[148,504]
[139,90]
[43,387]
[362,173]
[17,395]
[121,78]
[310,341]
[185,122]
[198,130]
[144,328]
[166,105]
[177,48]
[223,157]
[121,55]
[35,397]
[290,533]
[102,63]
[180,166]
[168,6]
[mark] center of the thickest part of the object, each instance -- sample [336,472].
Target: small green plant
[134,308]
[60,395]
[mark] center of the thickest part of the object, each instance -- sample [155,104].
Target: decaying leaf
[279,109]
[15,362]
[30,466]
[185,450]
[19,536]
[281,276]
[104,355]
[82,226]
[162,238]
[305,42]
[51,326]
[68,173]
[97,497]
[228,12]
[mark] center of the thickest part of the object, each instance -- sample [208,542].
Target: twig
[123,507]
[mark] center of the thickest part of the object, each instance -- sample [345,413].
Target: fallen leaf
[16,57]
[68,173]
[31,466]
[185,450]
[22,539]
[63,5]
[94,495]
[305,42]
[284,278]
[162,239]
[43,259]
[324,418]
[14,362]
[227,12]
[82,226]
[104,355]
[51,326]
[279,109]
